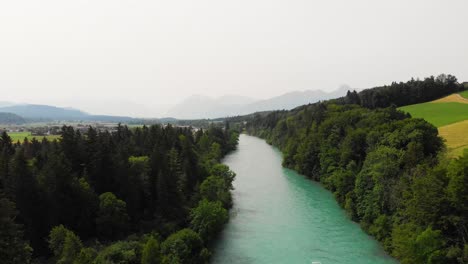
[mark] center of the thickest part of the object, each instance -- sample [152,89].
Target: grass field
[439,114]
[453,98]
[20,136]
[450,116]
[464,94]
[456,137]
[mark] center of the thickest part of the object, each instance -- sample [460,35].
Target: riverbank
[280,216]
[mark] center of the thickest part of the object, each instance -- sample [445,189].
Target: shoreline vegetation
[145,195]
[387,170]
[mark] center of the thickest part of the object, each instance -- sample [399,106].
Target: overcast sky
[125,54]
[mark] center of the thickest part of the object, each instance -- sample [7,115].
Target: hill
[464,94]
[5,103]
[11,119]
[34,112]
[112,119]
[450,115]
[455,137]
[404,93]
[455,98]
[439,114]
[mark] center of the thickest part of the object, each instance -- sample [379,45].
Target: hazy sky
[103,55]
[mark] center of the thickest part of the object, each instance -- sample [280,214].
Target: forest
[145,195]
[387,170]
[404,93]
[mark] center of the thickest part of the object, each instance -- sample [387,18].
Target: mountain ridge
[193,107]
[199,106]
[38,112]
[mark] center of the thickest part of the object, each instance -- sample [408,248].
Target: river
[281,217]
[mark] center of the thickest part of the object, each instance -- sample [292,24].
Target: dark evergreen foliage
[106,186]
[401,94]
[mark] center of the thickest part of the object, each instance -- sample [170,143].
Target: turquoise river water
[281,217]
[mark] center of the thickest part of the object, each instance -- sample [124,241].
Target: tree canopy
[386,169]
[93,195]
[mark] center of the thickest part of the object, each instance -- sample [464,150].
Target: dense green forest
[404,93]
[146,195]
[386,169]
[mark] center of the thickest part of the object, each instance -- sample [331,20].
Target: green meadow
[451,118]
[20,136]
[438,114]
[464,94]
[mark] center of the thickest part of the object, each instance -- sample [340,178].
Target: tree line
[153,194]
[386,169]
[404,93]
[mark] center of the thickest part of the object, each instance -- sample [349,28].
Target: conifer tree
[13,249]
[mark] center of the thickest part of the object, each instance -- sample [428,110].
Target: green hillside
[464,94]
[450,116]
[10,119]
[439,114]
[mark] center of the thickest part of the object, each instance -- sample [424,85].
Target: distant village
[55,129]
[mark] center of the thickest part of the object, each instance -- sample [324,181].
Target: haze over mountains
[34,112]
[197,106]
[194,107]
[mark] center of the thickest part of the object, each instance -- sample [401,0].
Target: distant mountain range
[5,103]
[194,107]
[197,106]
[33,112]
